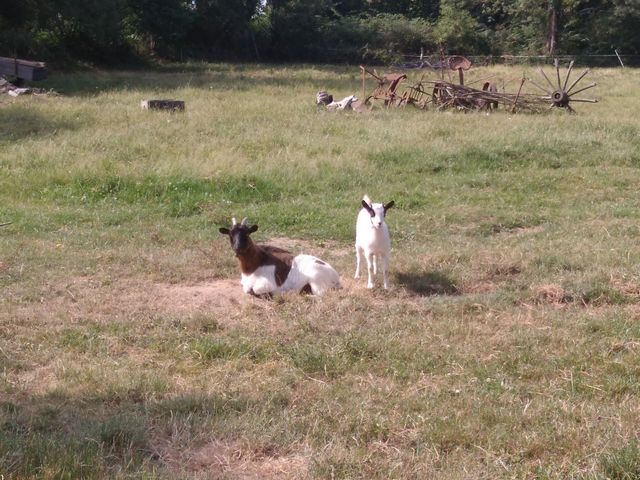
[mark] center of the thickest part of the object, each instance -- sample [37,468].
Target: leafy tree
[14,27]
[222,28]
[378,37]
[159,26]
[295,26]
[89,29]
[606,25]
[107,31]
[458,31]
[411,8]
[623,30]
[351,7]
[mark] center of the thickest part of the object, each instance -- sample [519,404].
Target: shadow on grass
[205,76]
[18,122]
[426,284]
[89,438]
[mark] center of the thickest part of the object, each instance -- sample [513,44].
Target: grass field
[508,347]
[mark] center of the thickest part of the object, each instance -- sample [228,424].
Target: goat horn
[234,221]
[244,221]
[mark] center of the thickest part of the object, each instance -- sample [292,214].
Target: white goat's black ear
[253,228]
[368,208]
[389,205]
[224,231]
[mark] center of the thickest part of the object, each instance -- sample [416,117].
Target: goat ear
[224,231]
[253,228]
[368,208]
[389,205]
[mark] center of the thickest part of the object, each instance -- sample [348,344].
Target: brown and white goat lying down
[267,270]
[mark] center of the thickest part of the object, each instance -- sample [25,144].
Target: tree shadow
[427,284]
[18,122]
[89,437]
[205,76]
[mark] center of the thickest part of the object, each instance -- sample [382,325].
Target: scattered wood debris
[15,91]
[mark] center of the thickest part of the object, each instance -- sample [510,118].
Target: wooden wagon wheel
[560,95]
[439,95]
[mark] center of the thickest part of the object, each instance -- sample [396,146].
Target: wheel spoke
[577,80]
[584,88]
[566,80]
[584,100]
[536,85]
[556,63]
[547,79]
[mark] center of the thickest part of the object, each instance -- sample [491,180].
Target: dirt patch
[218,295]
[104,299]
[234,460]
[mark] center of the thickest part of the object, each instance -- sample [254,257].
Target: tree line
[125,31]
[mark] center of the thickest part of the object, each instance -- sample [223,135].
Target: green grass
[507,348]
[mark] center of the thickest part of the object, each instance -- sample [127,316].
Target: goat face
[239,236]
[377,211]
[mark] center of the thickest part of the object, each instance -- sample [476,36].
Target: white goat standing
[372,239]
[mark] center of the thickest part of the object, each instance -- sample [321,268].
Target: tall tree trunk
[552,28]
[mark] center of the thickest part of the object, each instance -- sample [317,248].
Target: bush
[458,31]
[377,38]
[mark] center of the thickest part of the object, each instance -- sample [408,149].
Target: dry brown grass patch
[551,294]
[479,286]
[234,459]
[626,287]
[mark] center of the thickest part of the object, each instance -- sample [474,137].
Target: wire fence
[611,61]
[377,57]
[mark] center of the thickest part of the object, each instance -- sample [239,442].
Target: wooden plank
[172,105]
[24,69]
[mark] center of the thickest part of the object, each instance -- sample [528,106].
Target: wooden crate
[23,69]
